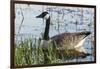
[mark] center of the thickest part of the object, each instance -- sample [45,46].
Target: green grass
[29,52]
[23,52]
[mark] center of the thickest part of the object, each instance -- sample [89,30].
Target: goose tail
[87,33]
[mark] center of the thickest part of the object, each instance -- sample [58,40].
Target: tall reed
[29,52]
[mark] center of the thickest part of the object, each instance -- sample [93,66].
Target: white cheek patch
[46,16]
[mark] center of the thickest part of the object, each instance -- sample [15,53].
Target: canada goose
[72,41]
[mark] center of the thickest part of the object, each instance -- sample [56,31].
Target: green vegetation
[23,52]
[29,52]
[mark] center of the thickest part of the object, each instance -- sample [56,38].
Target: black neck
[46,33]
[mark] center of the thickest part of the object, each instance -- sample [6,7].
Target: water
[63,19]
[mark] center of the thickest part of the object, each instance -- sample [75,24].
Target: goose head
[44,15]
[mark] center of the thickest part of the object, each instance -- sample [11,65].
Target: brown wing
[68,40]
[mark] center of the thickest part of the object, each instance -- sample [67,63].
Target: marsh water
[63,19]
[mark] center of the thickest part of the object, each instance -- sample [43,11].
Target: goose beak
[38,16]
